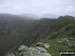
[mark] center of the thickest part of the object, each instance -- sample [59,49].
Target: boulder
[22,47]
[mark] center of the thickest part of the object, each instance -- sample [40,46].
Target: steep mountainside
[16,30]
[12,31]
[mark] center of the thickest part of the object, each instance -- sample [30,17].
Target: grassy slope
[63,33]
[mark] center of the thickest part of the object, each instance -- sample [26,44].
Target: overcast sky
[38,7]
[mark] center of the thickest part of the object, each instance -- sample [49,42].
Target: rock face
[30,51]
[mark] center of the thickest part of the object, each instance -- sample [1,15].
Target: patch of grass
[56,47]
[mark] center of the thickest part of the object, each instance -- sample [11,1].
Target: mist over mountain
[31,16]
[47,15]
[50,16]
[16,30]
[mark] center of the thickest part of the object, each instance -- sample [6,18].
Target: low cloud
[38,7]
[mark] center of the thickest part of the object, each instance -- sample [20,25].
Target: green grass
[56,47]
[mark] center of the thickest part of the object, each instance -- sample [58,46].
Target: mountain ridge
[28,32]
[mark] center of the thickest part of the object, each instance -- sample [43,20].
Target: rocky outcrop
[29,51]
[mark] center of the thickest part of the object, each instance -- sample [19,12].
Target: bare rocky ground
[30,51]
